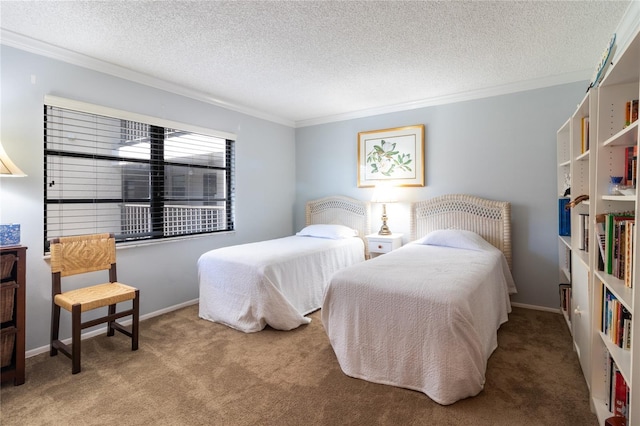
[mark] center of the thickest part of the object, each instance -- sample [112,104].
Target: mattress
[275,282]
[421,317]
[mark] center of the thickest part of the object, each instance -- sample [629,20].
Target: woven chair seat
[95,296]
[79,255]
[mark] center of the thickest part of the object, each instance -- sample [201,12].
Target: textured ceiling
[308,61]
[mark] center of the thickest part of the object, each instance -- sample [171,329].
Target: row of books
[617,389]
[616,238]
[616,320]
[631,165]
[631,115]
[631,112]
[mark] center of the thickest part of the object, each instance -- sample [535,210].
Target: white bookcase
[575,159]
[590,174]
[564,182]
[620,85]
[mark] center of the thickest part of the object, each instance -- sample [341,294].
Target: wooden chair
[79,255]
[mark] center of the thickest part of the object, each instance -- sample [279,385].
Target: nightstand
[381,244]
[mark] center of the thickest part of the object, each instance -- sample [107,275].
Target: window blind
[139,180]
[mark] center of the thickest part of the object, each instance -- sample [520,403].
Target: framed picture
[394,156]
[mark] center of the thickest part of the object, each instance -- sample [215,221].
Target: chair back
[82,254]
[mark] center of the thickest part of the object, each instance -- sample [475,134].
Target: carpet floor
[189,371]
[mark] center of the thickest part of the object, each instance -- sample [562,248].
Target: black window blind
[138,180]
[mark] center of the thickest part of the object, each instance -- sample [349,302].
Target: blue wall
[165,272]
[501,148]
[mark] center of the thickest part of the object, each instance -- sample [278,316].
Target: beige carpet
[190,371]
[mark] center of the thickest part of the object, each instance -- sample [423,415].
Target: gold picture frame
[394,156]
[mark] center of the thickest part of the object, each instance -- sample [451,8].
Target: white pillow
[456,238]
[334,232]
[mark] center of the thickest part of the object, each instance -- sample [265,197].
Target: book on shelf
[564,217]
[616,388]
[600,237]
[615,225]
[616,320]
[631,112]
[628,324]
[565,298]
[606,301]
[630,161]
[620,395]
[620,248]
[608,371]
[624,328]
[623,251]
[629,248]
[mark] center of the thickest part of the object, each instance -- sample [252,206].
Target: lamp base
[384,229]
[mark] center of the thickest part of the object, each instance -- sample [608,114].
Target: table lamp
[384,193]
[8,167]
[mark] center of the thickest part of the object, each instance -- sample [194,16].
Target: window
[139,177]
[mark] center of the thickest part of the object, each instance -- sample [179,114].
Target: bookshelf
[615,139]
[564,241]
[575,160]
[604,304]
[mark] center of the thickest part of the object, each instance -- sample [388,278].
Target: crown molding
[458,97]
[28,44]
[627,27]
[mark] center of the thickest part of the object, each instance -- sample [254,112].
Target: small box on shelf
[10,235]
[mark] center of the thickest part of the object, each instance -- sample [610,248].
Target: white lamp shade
[384,193]
[8,167]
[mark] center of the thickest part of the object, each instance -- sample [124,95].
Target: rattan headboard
[490,219]
[341,210]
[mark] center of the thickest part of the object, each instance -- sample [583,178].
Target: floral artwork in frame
[393,156]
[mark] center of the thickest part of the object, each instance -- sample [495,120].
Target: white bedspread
[421,317]
[275,282]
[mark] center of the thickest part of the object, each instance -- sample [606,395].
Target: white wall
[164,272]
[501,148]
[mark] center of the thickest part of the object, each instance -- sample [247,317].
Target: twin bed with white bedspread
[425,316]
[277,282]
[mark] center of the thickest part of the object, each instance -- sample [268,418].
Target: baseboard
[537,308]
[43,349]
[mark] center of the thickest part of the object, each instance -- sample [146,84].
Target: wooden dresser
[12,313]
